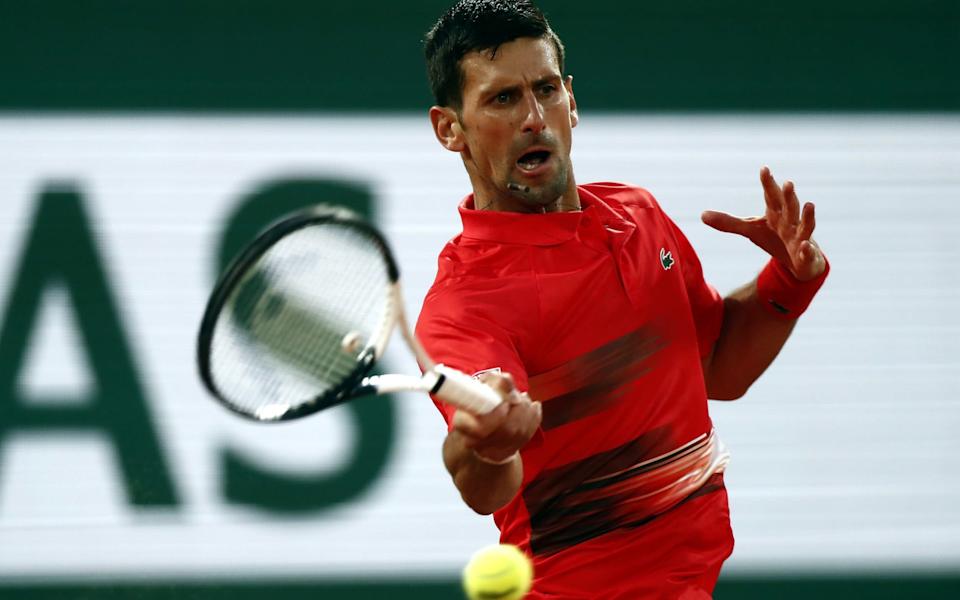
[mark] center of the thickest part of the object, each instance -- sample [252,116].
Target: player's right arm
[481,452]
[463,325]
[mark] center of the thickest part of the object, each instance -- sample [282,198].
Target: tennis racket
[300,317]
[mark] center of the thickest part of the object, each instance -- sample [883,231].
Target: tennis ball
[500,572]
[352,342]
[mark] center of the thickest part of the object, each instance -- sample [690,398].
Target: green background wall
[300,55]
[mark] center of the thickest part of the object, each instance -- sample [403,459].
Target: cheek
[493,143]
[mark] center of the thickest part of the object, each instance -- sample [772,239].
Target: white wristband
[490,461]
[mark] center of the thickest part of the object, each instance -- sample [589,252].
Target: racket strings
[279,342]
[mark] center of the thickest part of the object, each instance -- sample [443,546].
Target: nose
[533,122]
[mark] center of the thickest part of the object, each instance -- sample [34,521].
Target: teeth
[531,163]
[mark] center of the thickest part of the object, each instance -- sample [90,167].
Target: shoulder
[474,321]
[622,194]
[630,201]
[477,280]
[466,263]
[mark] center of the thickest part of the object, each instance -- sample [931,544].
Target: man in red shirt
[586,307]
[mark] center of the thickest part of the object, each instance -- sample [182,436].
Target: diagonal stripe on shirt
[593,381]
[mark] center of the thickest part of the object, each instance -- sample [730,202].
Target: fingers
[724,222]
[783,228]
[538,408]
[503,383]
[791,205]
[807,252]
[783,205]
[503,431]
[808,222]
[476,427]
[772,195]
[468,425]
[811,262]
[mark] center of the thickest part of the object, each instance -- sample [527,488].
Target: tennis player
[586,307]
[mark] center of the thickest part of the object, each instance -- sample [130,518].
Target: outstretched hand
[784,231]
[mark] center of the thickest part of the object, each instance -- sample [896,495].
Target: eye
[548,89]
[502,98]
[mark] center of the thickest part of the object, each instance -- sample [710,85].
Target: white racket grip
[463,391]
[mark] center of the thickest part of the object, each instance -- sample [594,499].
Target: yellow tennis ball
[501,572]
[352,342]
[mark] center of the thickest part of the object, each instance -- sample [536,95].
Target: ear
[447,128]
[574,117]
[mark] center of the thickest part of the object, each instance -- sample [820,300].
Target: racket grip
[463,391]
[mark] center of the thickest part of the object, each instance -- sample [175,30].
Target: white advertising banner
[115,462]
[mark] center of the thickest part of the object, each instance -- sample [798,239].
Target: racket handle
[459,389]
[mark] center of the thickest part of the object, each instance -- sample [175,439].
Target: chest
[605,284]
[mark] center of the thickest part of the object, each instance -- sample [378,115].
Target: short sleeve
[706,304]
[459,338]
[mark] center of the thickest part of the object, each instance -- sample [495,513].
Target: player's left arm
[756,322]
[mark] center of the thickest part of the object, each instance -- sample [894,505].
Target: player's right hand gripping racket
[299,318]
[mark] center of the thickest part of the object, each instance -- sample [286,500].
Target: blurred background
[141,143]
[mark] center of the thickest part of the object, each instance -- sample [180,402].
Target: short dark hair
[473,26]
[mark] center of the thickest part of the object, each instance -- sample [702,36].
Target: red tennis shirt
[603,315]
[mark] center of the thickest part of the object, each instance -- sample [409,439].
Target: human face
[514,128]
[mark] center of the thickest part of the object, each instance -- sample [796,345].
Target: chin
[536,199]
[540,195]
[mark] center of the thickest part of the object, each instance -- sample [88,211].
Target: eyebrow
[494,90]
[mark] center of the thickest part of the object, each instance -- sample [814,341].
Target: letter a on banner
[60,252]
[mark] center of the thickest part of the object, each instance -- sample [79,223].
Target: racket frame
[446,383]
[353,384]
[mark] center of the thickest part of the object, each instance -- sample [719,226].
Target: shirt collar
[546,229]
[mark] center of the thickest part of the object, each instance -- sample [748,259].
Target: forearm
[758,317]
[750,338]
[484,487]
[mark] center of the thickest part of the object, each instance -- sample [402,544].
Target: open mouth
[532,160]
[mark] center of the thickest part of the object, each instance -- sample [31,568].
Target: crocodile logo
[666,259]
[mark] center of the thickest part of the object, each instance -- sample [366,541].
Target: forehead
[517,61]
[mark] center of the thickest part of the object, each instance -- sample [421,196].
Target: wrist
[491,461]
[783,295]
